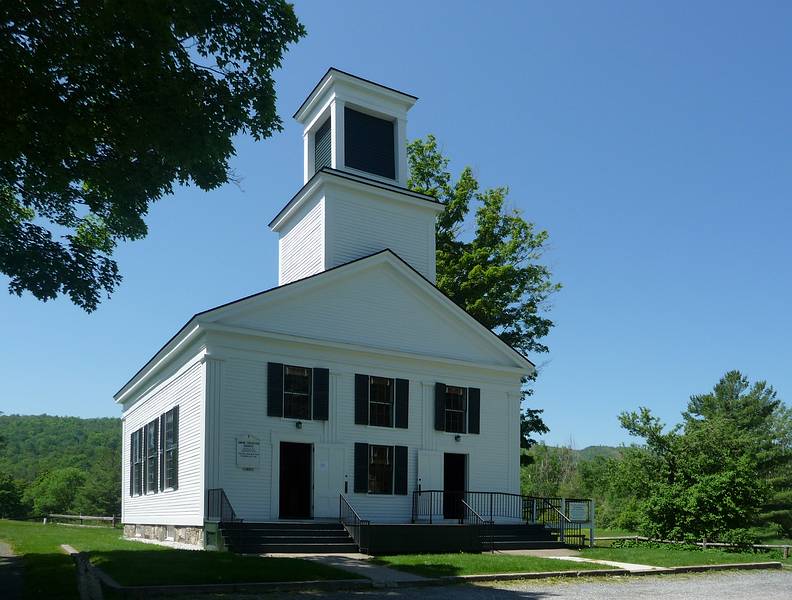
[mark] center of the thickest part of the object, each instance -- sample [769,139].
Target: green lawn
[674,557]
[49,573]
[175,567]
[439,565]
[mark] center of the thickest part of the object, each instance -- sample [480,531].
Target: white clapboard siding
[378,308]
[358,225]
[183,506]
[493,454]
[301,244]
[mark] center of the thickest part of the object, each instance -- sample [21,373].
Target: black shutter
[361,468]
[400,471]
[474,410]
[322,152]
[440,392]
[161,455]
[369,143]
[175,484]
[402,403]
[274,390]
[157,488]
[321,394]
[361,399]
[144,470]
[132,464]
[141,441]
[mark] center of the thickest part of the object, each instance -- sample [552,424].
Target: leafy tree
[495,273]
[713,475]
[11,505]
[101,492]
[530,423]
[55,491]
[106,106]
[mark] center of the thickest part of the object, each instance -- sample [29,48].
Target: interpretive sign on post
[578,511]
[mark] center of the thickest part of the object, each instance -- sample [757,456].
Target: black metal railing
[486,532]
[218,507]
[429,505]
[553,513]
[351,520]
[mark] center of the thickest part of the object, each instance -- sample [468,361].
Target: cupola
[354,201]
[355,125]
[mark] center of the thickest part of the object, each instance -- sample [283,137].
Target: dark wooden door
[295,480]
[453,485]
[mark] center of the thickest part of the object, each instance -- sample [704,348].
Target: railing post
[591,523]
[492,518]
[562,521]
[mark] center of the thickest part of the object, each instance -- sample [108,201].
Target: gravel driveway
[730,585]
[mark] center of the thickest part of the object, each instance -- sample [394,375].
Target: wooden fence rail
[113,519]
[704,544]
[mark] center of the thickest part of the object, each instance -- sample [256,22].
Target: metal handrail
[351,520]
[550,504]
[219,508]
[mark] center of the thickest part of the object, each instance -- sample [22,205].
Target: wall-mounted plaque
[248,453]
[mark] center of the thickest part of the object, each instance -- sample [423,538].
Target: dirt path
[10,573]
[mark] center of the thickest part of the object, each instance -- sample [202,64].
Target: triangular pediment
[378,302]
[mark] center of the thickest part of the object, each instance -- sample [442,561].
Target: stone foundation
[181,534]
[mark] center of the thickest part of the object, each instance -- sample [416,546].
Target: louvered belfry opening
[322,142]
[369,143]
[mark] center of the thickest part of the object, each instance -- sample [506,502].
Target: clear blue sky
[652,139]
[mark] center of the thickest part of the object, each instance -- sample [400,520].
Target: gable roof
[206,317]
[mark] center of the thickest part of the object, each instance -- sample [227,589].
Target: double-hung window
[455,409]
[297,387]
[381,401]
[154,455]
[136,463]
[380,469]
[152,436]
[170,449]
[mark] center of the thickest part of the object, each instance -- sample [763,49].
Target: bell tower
[354,200]
[352,124]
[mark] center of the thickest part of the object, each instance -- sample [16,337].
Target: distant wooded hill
[33,444]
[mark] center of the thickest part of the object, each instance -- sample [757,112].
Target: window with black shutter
[297,388]
[322,152]
[369,143]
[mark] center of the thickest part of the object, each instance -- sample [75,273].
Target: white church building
[355,390]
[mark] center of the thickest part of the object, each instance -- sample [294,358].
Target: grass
[174,567]
[676,557]
[439,565]
[49,573]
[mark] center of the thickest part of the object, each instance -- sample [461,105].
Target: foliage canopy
[112,103]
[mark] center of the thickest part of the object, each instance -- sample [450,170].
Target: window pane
[297,392]
[381,469]
[456,406]
[381,401]
[297,406]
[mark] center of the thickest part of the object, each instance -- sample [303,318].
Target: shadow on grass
[186,567]
[47,576]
